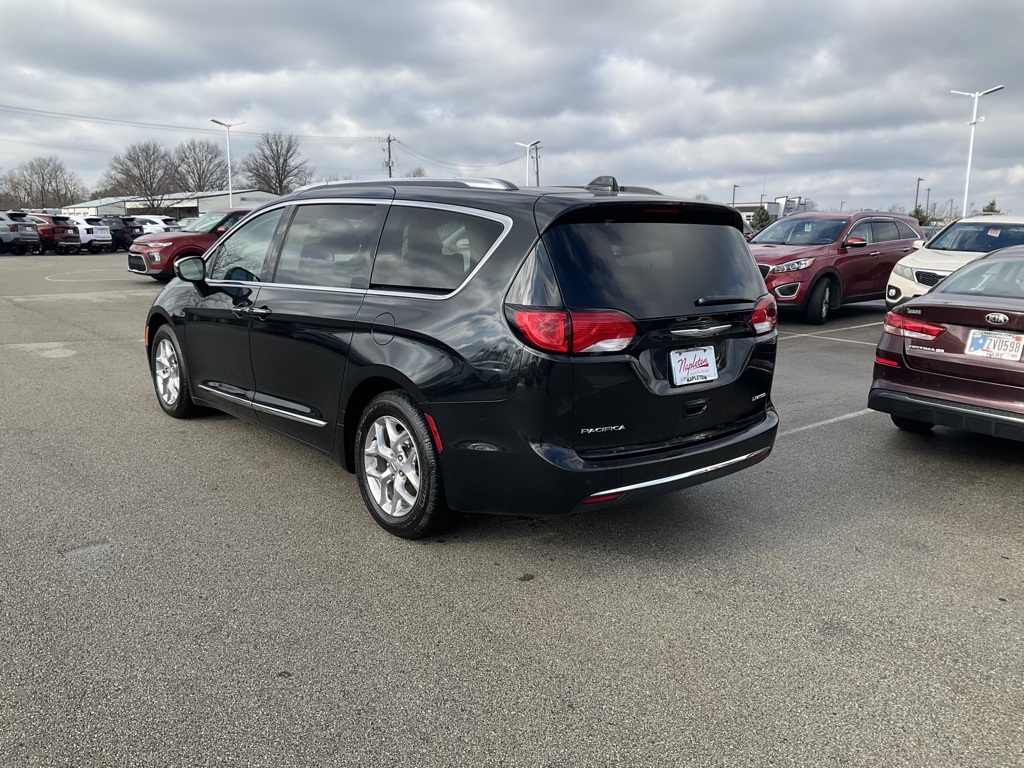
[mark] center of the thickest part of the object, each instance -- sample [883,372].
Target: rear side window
[906,231]
[431,250]
[330,245]
[884,231]
[651,267]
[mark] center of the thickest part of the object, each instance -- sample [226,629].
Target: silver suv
[18,233]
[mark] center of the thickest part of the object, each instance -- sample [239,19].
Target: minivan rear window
[650,269]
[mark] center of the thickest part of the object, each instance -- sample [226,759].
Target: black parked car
[467,346]
[123,230]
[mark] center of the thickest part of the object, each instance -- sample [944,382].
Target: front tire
[167,366]
[819,304]
[397,468]
[911,425]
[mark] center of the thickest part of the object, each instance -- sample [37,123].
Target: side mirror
[222,229]
[918,244]
[856,242]
[191,269]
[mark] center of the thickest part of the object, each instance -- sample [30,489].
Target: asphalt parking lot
[208,593]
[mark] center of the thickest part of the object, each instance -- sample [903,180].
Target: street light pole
[974,123]
[917,192]
[529,149]
[734,188]
[227,129]
[841,204]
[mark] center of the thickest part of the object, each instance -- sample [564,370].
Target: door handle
[875,253]
[260,312]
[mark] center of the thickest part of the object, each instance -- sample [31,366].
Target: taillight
[765,315]
[911,327]
[560,330]
[601,331]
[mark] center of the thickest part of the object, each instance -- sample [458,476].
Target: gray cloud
[843,102]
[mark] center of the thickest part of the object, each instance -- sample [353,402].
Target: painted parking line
[826,422]
[84,296]
[821,334]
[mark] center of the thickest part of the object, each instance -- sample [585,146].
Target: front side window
[330,245]
[244,255]
[430,250]
[863,230]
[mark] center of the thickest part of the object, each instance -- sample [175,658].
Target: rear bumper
[949,413]
[544,479]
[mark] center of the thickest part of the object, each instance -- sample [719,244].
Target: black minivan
[465,345]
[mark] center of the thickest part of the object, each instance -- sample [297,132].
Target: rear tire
[397,469]
[911,425]
[167,366]
[819,304]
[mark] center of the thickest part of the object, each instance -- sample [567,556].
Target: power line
[448,164]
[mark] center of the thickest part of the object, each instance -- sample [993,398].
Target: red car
[56,233]
[952,357]
[816,262]
[154,254]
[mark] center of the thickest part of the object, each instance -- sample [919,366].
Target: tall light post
[227,129]
[974,123]
[841,204]
[734,188]
[917,192]
[529,149]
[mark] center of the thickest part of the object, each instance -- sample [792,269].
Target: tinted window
[650,268]
[978,237]
[906,231]
[243,255]
[431,250]
[884,231]
[330,245]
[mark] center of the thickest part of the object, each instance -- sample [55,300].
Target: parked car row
[22,232]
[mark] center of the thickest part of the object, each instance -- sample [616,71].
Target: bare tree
[810,205]
[897,208]
[416,173]
[276,165]
[146,170]
[42,182]
[201,165]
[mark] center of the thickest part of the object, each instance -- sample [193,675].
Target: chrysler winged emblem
[996,318]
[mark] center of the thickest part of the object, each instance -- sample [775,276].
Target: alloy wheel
[392,465]
[166,372]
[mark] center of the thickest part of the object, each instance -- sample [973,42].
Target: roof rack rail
[412,181]
[610,184]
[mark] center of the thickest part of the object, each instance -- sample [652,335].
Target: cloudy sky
[845,103]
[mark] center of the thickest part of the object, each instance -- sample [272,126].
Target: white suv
[95,235]
[955,245]
[156,224]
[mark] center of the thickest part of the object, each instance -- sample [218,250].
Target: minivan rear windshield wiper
[704,301]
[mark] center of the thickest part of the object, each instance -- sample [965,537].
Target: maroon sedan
[952,357]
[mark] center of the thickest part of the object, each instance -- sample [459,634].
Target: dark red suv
[154,254]
[816,262]
[56,233]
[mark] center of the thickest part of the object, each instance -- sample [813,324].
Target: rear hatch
[95,229]
[64,230]
[662,300]
[23,226]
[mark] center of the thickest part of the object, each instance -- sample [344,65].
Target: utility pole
[917,192]
[390,164]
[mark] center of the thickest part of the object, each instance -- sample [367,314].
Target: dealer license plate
[691,366]
[996,344]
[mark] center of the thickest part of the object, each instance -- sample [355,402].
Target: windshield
[1003,278]
[205,223]
[978,237]
[796,231]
